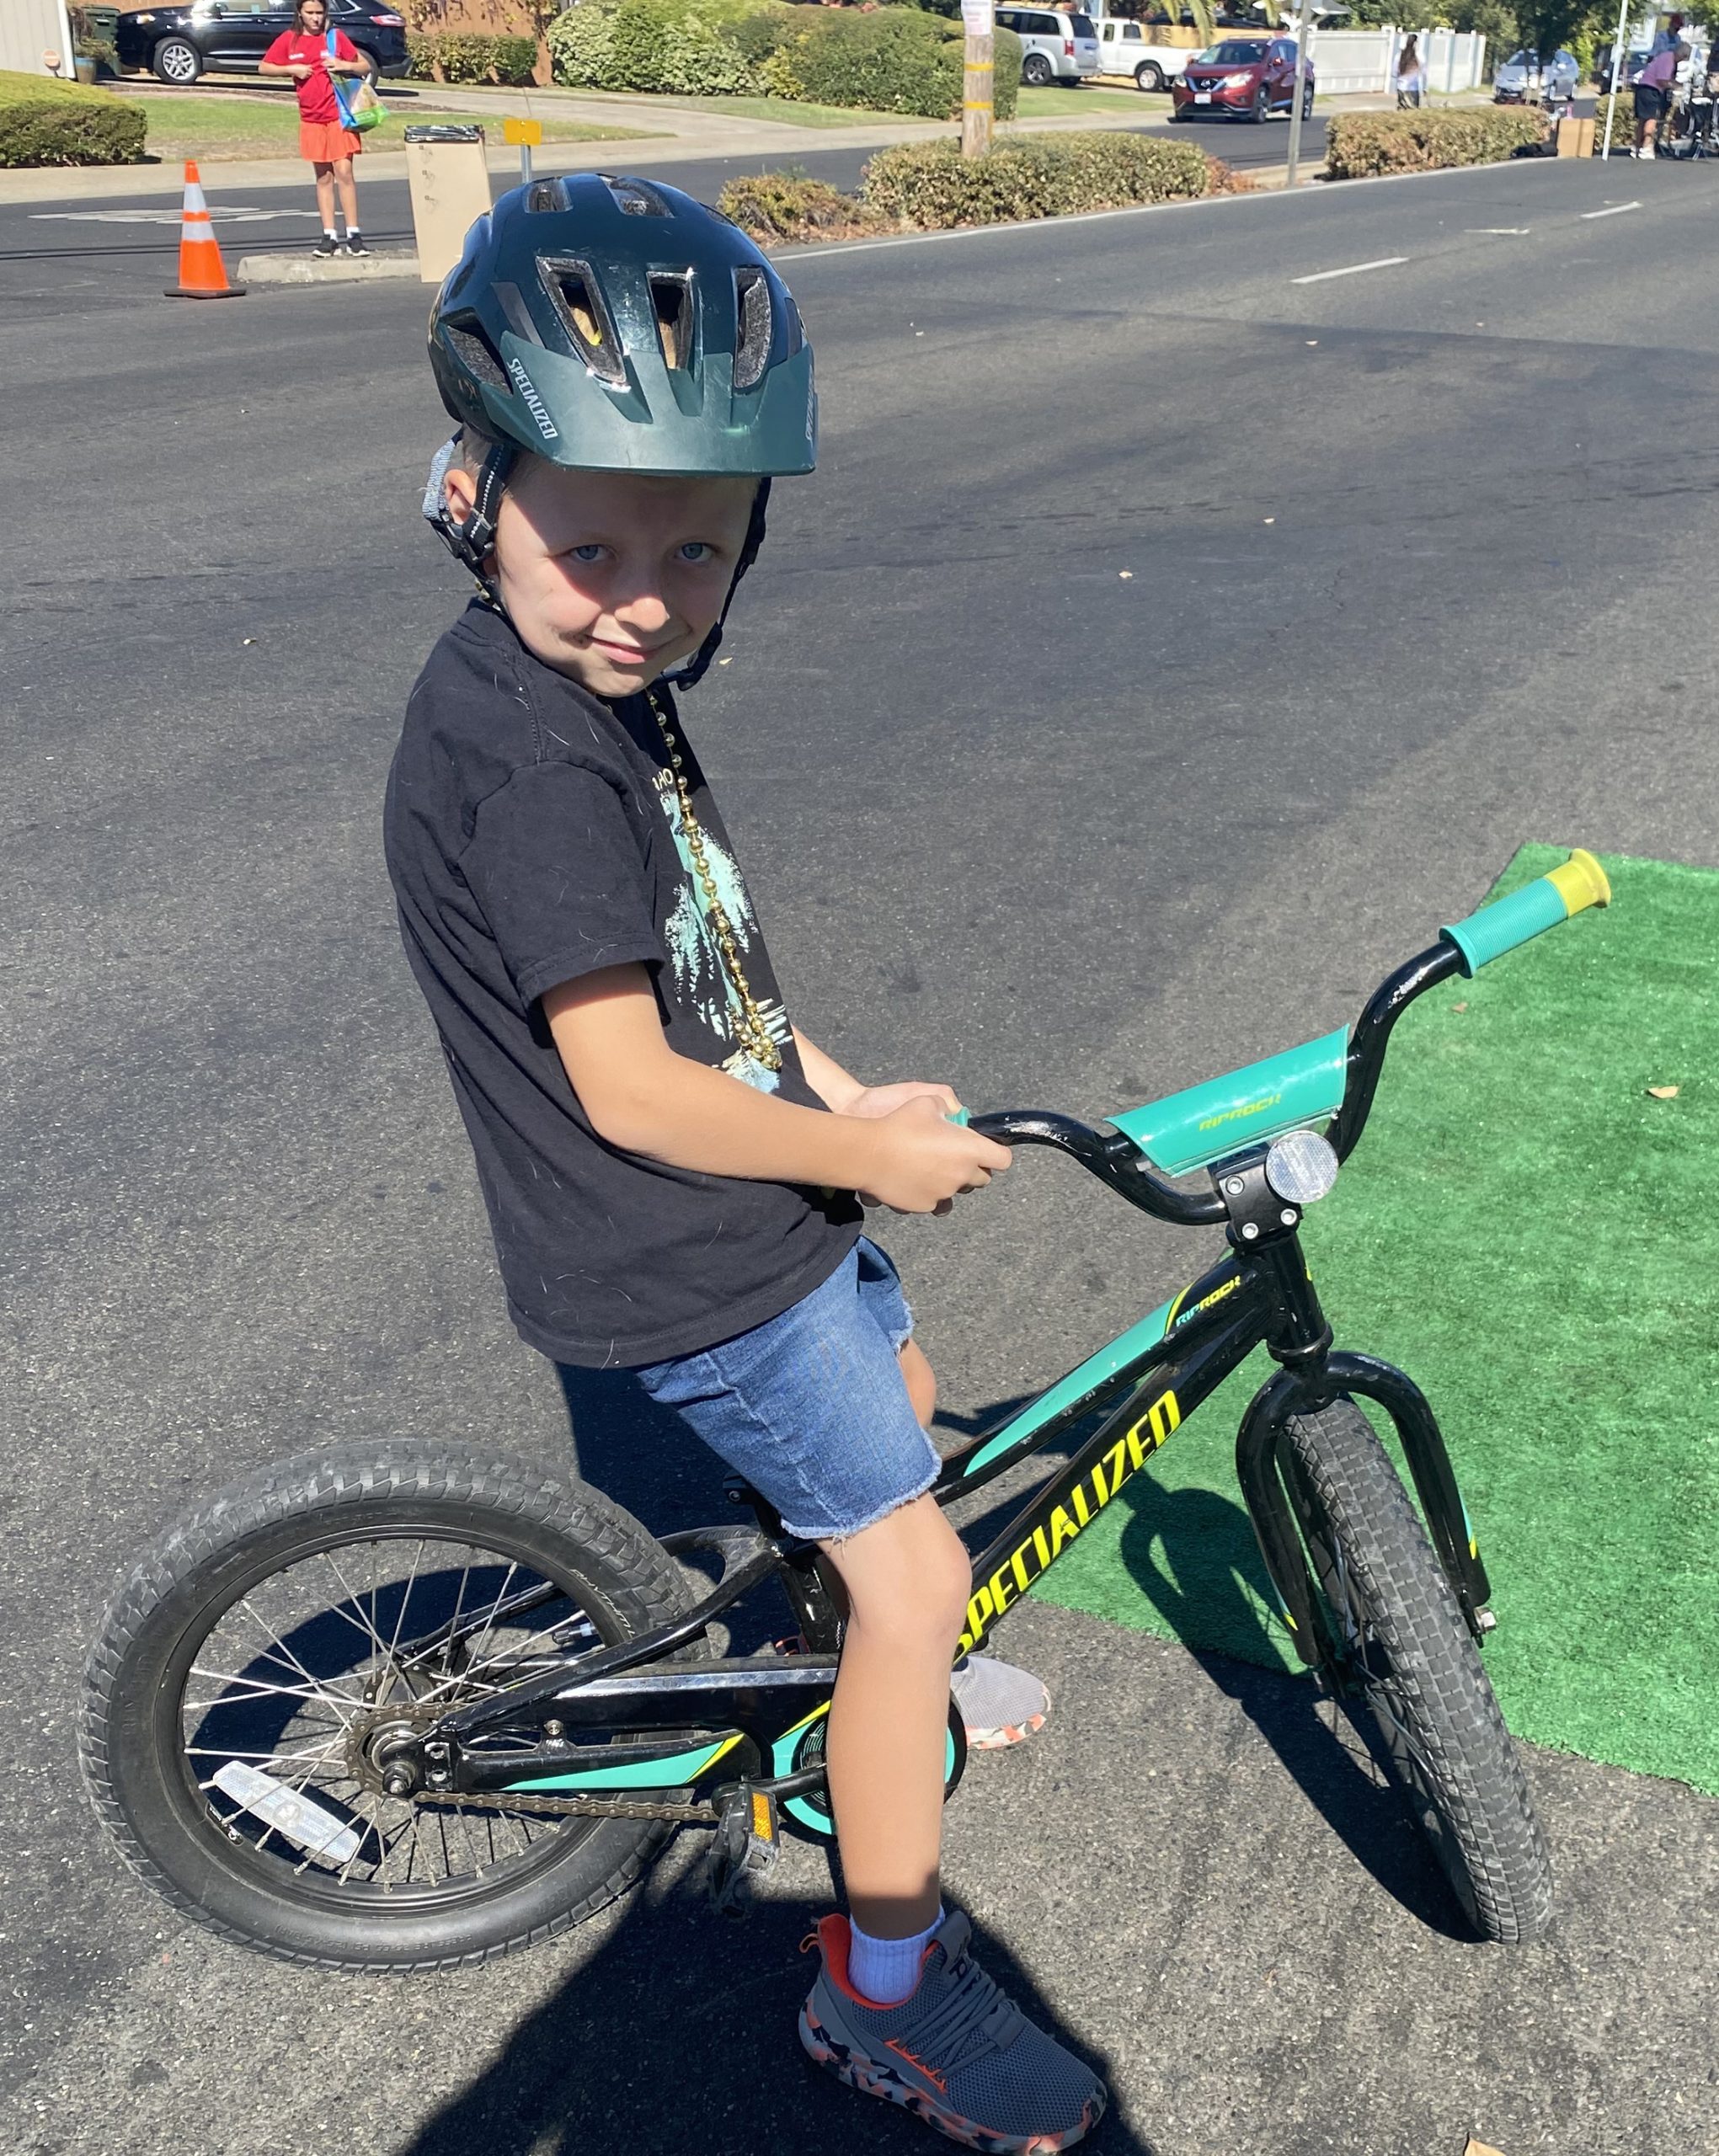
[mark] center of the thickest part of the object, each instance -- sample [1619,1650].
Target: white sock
[885,1970]
[329,232]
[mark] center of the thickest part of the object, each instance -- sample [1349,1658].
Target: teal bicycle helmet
[615,324]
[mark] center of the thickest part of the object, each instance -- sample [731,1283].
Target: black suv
[182,43]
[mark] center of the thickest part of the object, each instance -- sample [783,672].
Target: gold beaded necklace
[749,1026]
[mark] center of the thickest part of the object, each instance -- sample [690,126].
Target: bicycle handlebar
[1487,933]
[1113,1158]
[1575,885]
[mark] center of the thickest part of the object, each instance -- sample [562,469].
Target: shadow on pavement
[1193,1555]
[680,2034]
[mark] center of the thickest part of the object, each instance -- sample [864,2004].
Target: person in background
[1653,93]
[325,143]
[1411,75]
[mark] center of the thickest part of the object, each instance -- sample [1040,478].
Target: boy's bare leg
[906,1581]
[1000,1704]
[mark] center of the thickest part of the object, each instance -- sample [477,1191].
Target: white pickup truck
[1126,48]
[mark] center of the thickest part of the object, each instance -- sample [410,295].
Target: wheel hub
[385,1753]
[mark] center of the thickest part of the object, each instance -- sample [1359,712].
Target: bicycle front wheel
[256,1667]
[1409,1659]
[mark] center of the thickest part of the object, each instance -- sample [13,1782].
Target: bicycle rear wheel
[253,1669]
[1409,1659]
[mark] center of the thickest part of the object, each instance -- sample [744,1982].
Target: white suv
[1055,47]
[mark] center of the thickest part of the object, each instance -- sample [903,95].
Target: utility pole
[1303,17]
[1617,62]
[978,70]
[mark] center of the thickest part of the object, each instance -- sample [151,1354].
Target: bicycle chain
[580,1807]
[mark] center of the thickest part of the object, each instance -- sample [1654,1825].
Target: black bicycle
[404,1705]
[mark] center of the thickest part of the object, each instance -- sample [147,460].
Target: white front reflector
[1301,1166]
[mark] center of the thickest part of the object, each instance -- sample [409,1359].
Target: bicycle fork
[1311,1375]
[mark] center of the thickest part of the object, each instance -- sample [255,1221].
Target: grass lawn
[1535,1239]
[1054,102]
[191,124]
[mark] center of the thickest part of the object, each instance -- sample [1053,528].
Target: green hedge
[462,56]
[650,46]
[775,207]
[45,122]
[895,59]
[1623,125]
[931,186]
[890,60]
[1363,145]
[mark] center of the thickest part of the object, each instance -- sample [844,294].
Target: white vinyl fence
[30,28]
[1366,59]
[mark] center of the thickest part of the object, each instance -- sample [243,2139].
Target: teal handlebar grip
[1578,883]
[960,1116]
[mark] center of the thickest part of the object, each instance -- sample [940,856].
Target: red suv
[1250,77]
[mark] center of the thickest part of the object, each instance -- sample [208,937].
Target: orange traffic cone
[202,273]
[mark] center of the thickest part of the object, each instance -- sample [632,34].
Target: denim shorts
[811,1406]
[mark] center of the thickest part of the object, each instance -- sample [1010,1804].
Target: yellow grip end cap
[1580,882]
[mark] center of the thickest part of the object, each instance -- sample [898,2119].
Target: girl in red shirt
[303,53]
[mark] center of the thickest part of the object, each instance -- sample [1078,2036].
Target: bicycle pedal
[747,1842]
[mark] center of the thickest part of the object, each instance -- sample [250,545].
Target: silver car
[1523,81]
[1055,47]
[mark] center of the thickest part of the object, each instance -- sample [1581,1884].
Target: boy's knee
[929,1621]
[911,1584]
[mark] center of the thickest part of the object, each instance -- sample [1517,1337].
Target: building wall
[30,28]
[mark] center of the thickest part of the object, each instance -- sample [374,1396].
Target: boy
[669,1167]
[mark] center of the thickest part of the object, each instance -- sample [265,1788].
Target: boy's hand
[922,1161]
[884,1100]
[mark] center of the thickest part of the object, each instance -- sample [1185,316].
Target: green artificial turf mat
[1534,1238]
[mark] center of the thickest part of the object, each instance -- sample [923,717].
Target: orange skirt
[326,142]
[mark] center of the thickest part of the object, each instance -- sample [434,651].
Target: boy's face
[609,577]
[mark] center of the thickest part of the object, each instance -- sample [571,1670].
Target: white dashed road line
[1354,270]
[1617,211]
[221,213]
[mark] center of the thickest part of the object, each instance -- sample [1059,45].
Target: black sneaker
[326,246]
[355,243]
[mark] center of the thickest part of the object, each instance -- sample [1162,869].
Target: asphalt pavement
[1166,645]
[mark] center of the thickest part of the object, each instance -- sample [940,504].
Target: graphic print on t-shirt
[701,978]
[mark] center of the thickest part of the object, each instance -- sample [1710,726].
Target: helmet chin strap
[471,539]
[696,667]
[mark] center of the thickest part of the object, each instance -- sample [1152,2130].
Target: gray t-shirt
[533,834]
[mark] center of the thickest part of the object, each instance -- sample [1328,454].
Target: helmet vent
[672,297]
[545,195]
[753,319]
[475,352]
[637,198]
[573,293]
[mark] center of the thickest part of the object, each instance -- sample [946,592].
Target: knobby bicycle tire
[161,1817]
[1414,1665]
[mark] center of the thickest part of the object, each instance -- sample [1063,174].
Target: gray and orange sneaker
[1001,1706]
[956,2052]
